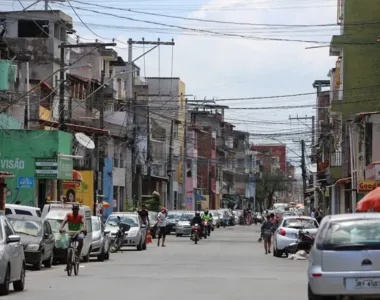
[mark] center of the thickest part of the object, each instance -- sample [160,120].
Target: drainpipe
[353,177]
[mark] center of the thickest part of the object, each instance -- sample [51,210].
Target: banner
[82,192]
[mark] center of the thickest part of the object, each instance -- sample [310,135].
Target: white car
[287,232]
[183,226]
[345,259]
[12,260]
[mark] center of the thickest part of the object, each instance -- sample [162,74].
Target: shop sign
[372,172]
[50,168]
[46,168]
[25,182]
[366,186]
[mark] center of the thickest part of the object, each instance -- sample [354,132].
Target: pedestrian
[161,224]
[144,214]
[266,233]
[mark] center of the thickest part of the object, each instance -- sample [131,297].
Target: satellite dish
[84,140]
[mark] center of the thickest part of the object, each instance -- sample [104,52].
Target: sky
[223,61]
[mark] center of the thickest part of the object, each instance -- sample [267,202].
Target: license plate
[366,283]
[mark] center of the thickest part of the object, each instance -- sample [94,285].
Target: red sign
[366,186]
[71,184]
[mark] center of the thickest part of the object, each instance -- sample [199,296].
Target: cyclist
[208,217]
[75,222]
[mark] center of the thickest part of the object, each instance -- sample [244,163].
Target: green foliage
[267,186]
[154,203]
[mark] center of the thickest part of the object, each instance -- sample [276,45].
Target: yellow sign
[366,186]
[82,192]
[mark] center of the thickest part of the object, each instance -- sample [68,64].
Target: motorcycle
[119,237]
[305,241]
[206,229]
[195,233]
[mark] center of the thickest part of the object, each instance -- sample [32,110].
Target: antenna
[46,3]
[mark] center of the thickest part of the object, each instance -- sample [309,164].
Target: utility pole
[61,109]
[149,150]
[170,167]
[134,187]
[184,159]
[303,167]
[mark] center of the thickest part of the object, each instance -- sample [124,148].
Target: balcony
[336,159]
[158,151]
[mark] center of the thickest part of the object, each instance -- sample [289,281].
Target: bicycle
[72,257]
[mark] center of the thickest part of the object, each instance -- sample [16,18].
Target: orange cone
[148,237]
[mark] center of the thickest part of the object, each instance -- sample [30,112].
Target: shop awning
[77,176]
[199,197]
[75,127]
[6,175]
[343,180]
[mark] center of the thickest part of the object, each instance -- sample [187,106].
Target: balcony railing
[336,159]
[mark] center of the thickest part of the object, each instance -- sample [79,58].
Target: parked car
[171,221]
[153,223]
[37,239]
[100,247]
[54,213]
[216,218]
[345,258]
[136,236]
[183,226]
[15,209]
[287,232]
[12,260]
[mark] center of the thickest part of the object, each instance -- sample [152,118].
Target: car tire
[38,265]
[312,296]
[49,262]
[278,253]
[177,235]
[19,285]
[139,246]
[4,287]
[87,257]
[107,255]
[102,256]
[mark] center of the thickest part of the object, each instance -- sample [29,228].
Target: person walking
[161,224]
[266,233]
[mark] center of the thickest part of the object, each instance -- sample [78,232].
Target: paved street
[229,265]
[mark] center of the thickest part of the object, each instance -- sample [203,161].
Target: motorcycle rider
[208,217]
[197,220]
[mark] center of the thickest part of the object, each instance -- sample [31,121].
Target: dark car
[171,221]
[37,239]
[153,223]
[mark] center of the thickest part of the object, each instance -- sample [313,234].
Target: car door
[15,251]
[48,240]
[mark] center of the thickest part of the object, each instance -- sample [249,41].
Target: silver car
[136,236]
[287,232]
[345,258]
[12,260]
[100,246]
[183,226]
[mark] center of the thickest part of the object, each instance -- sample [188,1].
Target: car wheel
[4,287]
[278,253]
[49,262]
[19,285]
[139,246]
[102,255]
[177,235]
[312,296]
[107,255]
[87,257]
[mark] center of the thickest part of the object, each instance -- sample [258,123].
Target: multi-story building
[354,88]
[273,157]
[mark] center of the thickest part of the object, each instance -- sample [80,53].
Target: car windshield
[55,225]
[130,220]
[300,223]
[186,217]
[28,227]
[96,226]
[356,234]
[152,216]
[173,216]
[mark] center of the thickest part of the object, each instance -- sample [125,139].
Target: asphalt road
[230,265]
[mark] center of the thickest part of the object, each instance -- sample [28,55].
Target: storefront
[3,189]
[36,160]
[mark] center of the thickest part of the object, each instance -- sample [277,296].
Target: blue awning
[199,197]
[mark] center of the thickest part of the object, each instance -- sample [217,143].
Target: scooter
[305,241]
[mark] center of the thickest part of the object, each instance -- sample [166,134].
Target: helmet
[206,211]
[197,214]
[75,207]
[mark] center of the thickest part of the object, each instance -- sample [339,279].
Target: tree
[154,203]
[267,186]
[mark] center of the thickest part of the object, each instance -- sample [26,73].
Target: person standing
[266,233]
[144,214]
[161,224]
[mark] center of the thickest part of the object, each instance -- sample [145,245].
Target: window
[23,212]
[8,229]
[299,223]
[33,29]
[357,234]
[8,211]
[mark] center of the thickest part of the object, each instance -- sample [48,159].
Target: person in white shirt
[161,224]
